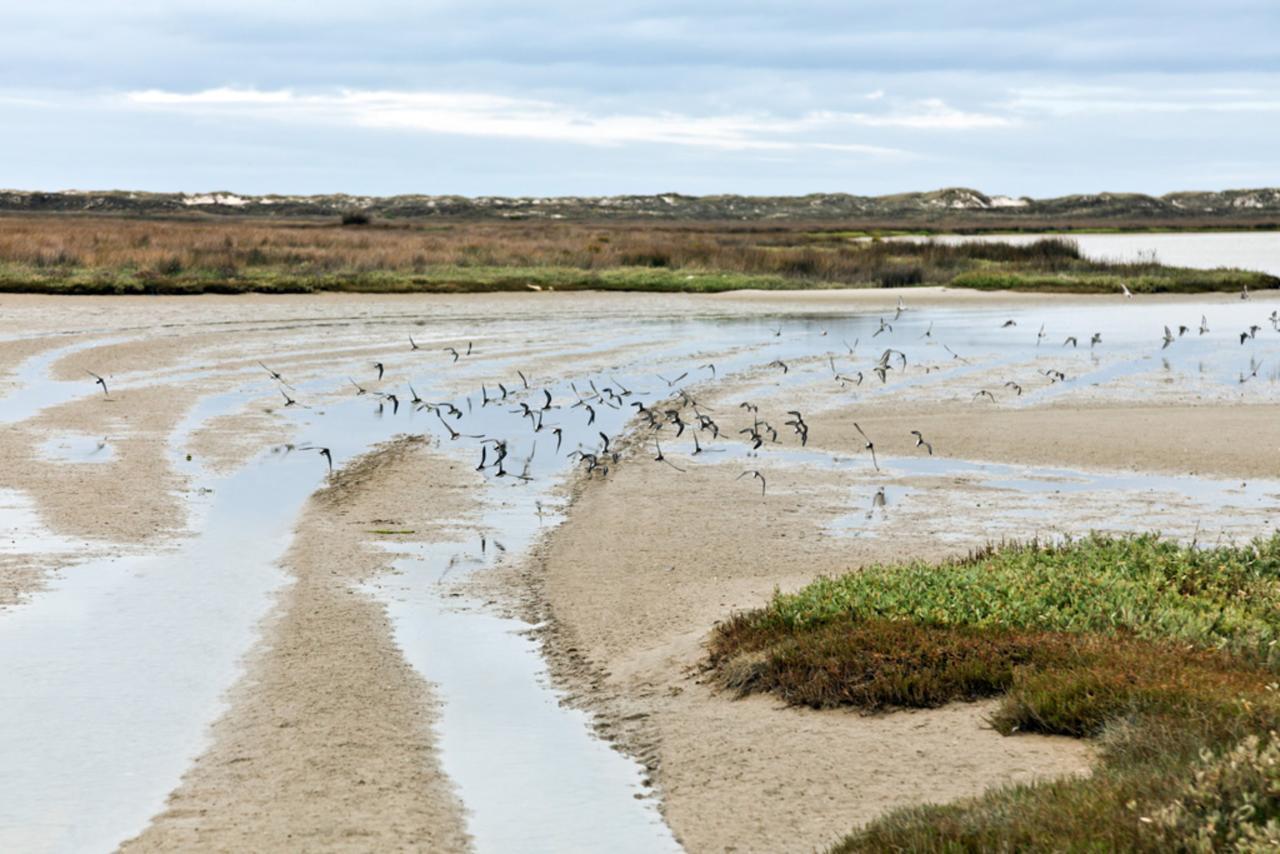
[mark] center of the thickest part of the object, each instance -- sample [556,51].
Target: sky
[480,97]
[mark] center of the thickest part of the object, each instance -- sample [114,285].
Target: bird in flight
[453,352]
[324,452]
[378,365]
[755,475]
[274,375]
[97,380]
[920,442]
[870,445]
[412,344]
[661,458]
[670,383]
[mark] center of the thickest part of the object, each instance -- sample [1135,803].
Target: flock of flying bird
[671,412]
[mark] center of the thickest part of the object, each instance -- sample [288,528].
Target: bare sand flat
[746,775]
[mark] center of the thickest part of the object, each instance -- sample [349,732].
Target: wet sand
[327,741]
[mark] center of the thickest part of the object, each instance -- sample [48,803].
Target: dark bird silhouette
[756,475]
[661,458]
[920,442]
[359,388]
[97,380]
[670,383]
[274,375]
[412,344]
[673,415]
[324,452]
[288,401]
[452,352]
[378,365]
[870,446]
[801,428]
[453,434]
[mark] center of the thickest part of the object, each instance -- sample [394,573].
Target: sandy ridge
[328,744]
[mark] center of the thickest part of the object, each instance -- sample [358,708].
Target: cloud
[490,115]
[932,114]
[1069,100]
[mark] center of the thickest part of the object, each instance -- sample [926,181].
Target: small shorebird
[756,475]
[869,446]
[920,442]
[97,380]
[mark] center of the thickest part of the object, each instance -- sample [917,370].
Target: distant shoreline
[950,209]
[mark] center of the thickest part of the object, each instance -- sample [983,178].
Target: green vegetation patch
[1163,653]
[1157,280]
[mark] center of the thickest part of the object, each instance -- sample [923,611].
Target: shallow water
[104,710]
[1247,250]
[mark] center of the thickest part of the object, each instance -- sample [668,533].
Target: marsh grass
[118,255]
[1163,653]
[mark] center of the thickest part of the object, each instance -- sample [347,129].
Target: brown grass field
[80,254]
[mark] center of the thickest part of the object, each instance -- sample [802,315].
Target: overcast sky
[585,98]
